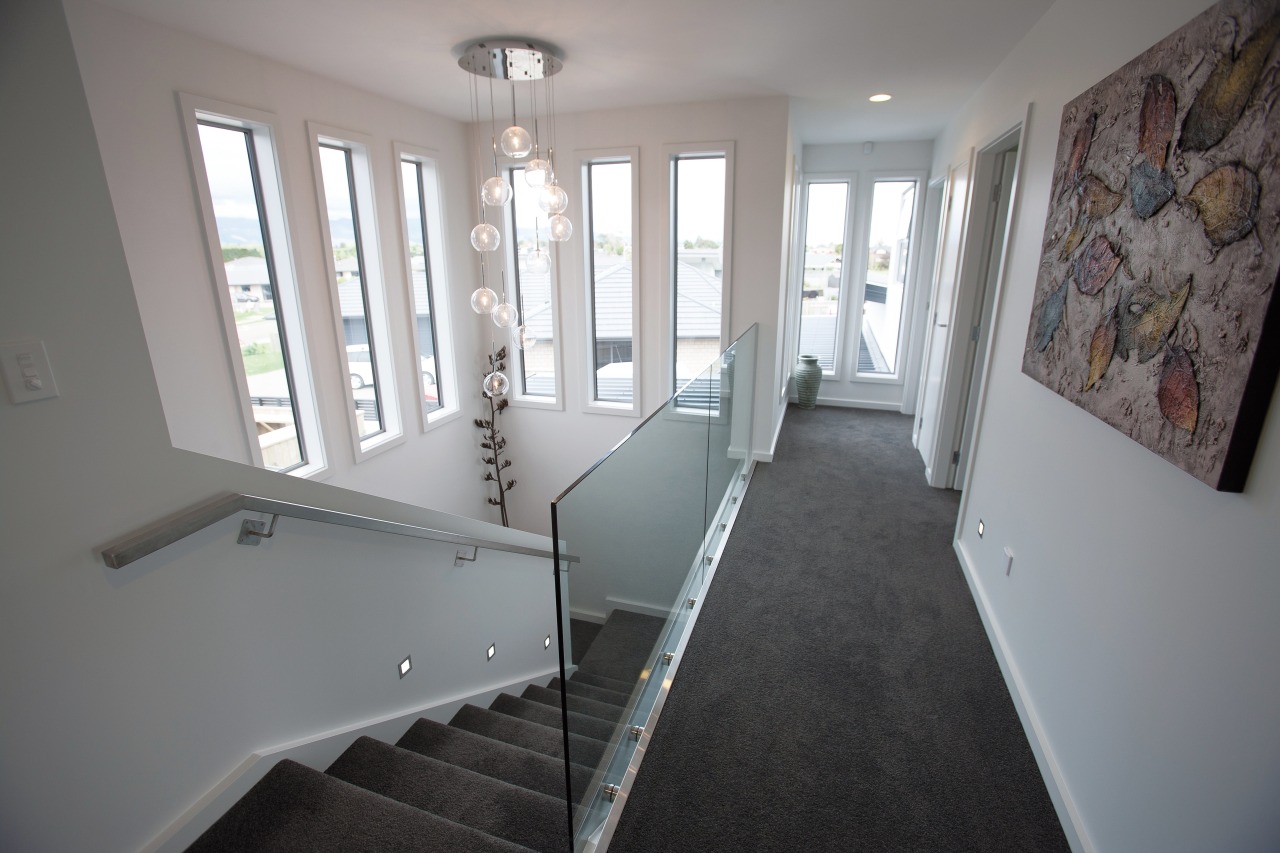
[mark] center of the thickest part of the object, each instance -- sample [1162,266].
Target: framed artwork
[1155,305]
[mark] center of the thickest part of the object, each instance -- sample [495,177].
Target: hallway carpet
[839,692]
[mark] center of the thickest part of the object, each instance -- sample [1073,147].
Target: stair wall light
[546,644]
[493,650]
[406,665]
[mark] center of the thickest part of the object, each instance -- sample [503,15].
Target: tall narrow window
[532,293]
[415,218]
[235,173]
[357,284]
[888,242]
[826,217]
[698,186]
[608,216]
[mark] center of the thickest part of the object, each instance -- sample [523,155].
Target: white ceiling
[829,55]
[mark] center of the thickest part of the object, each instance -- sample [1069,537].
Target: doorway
[980,195]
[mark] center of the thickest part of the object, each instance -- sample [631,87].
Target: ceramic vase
[808,376]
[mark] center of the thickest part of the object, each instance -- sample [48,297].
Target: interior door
[976,356]
[954,217]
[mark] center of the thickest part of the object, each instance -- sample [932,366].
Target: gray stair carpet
[614,684]
[534,820]
[495,758]
[294,809]
[587,691]
[623,647]
[493,779]
[577,704]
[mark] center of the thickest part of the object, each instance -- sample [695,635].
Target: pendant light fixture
[528,66]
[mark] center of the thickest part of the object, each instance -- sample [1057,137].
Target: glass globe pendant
[537,263]
[484,237]
[495,192]
[516,142]
[552,199]
[537,173]
[496,384]
[560,227]
[525,338]
[483,300]
[505,315]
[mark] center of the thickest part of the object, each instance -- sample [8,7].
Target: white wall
[1138,624]
[885,160]
[551,448]
[132,69]
[109,695]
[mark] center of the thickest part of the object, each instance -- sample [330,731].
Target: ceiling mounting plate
[510,59]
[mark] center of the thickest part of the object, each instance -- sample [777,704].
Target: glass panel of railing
[644,521]
[729,433]
[636,520]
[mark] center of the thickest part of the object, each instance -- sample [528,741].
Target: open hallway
[839,691]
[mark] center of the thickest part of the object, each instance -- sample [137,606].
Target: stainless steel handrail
[172,528]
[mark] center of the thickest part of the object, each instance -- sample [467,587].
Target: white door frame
[931,437]
[940,466]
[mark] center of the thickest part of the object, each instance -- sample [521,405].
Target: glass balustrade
[645,521]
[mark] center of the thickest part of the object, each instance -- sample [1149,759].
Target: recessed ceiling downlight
[880,98]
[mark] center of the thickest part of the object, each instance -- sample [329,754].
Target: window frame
[671,154]
[853,218]
[435,250]
[516,396]
[586,159]
[866,203]
[373,283]
[264,133]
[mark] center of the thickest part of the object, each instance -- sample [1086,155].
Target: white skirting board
[1072,822]
[317,751]
[855,404]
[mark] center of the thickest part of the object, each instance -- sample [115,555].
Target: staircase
[493,779]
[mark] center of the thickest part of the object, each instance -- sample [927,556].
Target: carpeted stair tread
[580,724]
[604,681]
[622,648]
[494,758]
[577,704]
[503,810]
[294,809]
[590,691]
[530,735]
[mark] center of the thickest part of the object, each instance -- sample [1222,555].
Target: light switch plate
[27,374]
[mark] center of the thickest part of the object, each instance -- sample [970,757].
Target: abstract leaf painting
[1155,305]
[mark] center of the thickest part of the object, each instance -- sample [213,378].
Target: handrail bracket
[253,531]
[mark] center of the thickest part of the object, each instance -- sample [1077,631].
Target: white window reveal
[701,210]
[238,181]
[356,287]
[610,215]
[420,204]
[881,336]
[822,280]
[531,288]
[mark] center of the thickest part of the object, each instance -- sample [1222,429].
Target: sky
[827,206]
[701,183]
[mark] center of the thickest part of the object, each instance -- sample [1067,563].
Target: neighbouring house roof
[698,305]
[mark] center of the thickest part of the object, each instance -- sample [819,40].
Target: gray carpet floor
[839,691]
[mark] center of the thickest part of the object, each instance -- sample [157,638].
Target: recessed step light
[546,644]
[493,650]
[406,665]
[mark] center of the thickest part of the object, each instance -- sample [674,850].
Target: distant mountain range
[243,231]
